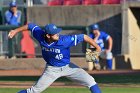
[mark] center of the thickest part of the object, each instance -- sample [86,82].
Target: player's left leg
[49,75]
[81,76]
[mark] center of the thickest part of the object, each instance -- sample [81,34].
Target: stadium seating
[6,2]
[72,2]
[54,2]
[91,2]
[111,1]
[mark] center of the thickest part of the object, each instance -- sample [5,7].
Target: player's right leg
[81,76]
[48,77]
[23,91]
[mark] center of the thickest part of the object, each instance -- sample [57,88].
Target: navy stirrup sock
[22,91]
[95,89]
[109,64]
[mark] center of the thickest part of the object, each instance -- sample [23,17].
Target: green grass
[77,90]
[134,79]
[121,90]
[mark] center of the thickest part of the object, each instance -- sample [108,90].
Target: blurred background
[119,18]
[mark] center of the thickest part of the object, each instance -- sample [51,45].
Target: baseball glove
[92,55]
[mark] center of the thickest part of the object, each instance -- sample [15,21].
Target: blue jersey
[103,37]
[57,53]
[11,19]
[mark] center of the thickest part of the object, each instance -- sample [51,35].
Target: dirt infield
[38,72]
[13,84]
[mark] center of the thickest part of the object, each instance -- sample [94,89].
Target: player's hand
[14,10]
[98,49]
[97,34]
[12,33]
[92,55]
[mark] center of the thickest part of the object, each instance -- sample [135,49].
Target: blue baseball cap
[13,4]
[52,29]
[95,27]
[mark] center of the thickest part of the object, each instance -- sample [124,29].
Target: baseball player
[99,37]
[56,53]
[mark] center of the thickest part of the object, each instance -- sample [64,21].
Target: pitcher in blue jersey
[100,37]
[56,53]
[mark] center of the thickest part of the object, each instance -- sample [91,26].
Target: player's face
[54,37]
[14,9]
[96,32]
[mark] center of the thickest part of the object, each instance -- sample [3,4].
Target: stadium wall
[130,35]
[72,15]
[134,39]
[34,63]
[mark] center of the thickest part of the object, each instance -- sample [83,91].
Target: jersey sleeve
[105,36]
[91,36]
[73,40]
[36,31]
[19,17]
[7,17]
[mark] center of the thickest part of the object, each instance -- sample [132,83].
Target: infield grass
[77,90]
[105,79]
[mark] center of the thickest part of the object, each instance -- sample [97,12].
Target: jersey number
[59,56]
